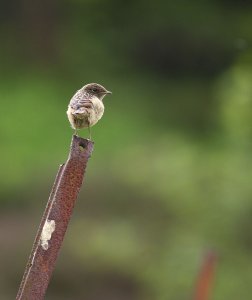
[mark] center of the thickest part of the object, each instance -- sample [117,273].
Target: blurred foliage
[170,174]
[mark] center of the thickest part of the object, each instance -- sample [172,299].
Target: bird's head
[96,89]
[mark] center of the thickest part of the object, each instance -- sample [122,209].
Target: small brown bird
[86,106]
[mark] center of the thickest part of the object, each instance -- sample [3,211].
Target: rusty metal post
[54,222]
[205,278]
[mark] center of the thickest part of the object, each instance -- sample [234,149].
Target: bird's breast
[97,111]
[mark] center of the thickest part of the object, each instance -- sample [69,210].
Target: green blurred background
[170,176]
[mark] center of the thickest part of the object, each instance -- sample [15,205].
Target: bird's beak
[108,92]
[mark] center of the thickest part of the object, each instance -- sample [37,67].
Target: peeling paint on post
[46,233]
[54,222]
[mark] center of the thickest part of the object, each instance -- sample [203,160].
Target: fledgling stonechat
[86,106]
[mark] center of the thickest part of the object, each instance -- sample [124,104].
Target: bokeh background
[170,177]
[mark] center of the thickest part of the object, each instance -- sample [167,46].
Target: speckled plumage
[86,106]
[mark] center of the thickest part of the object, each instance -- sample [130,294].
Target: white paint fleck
[46,234]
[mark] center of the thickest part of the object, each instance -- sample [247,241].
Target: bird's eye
[94,90]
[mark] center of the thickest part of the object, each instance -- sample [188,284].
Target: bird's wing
[81,100]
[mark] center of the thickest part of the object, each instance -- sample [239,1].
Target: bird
[86,106]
